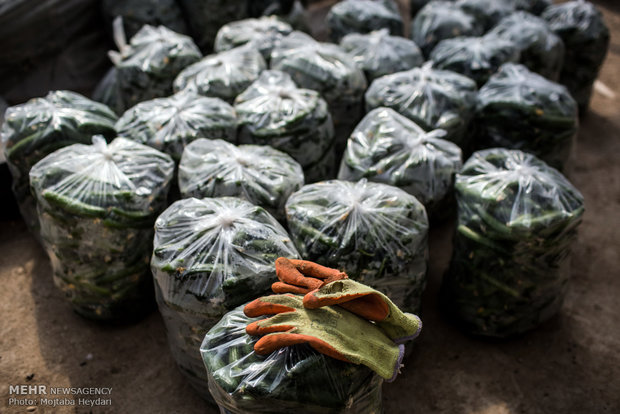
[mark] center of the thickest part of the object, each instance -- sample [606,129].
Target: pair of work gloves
[337,316]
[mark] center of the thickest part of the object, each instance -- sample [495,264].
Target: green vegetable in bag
[170,124]
[39,127]
[223,75]
[519,109]
[211,255]
[97,205]
[260,174]
[517,219]
[376,232]
[363,16]
[379,54]
[432,98]
[388,148]
[296,378]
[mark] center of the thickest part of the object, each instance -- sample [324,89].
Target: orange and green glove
[332,331]
[324,286]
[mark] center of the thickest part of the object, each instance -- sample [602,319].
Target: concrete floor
[569,365]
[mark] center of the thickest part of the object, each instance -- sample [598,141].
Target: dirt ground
[569,365]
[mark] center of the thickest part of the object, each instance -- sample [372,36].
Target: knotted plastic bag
[519,109]
[260,174]
[264,32]
[295,378]
[211,255]
[475,57]
[586,37]
[374,232]
[440,20]
[97,205]
[363,16]
[432,98]
[223,75]
[329,70]
[542,51]
[487,12]
[517,219]
[170,124]
[379,54]
[147,66]
[273,111]
[388,148]
[39,127]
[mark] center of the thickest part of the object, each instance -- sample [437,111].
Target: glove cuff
[399,363]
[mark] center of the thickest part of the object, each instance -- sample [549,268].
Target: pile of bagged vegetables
[96,207]
[297,222]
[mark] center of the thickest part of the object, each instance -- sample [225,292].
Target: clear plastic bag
[535,7]
[97,205]
[205,17]
[291,379]
[517,219]
[363,16]
[170,124]
[440,20]
[432,98]
[541,50]
[264,32]
[223,75]
[379,54]
[39,127]
[147,66]
[475,57]
[209,256]
[487,12]
[137,13]
[274,112]
[260,174]
[374,232]
[388,148]
[108,92]
[519,109]
[329,70]
[586,38]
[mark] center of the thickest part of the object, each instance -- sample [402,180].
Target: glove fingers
[262,306]
[315,270]
[255,328]
[288,273]
[368,305]
[279,287]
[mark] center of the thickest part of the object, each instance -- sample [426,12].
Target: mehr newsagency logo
[45,396]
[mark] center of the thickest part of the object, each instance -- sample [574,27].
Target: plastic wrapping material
[205,17]
[440,20]
[169,124]
[260,174]
[586,38]
[147,66]
[264,32]
[416,5]
[108,92]
[541,50]
[433,99]
[223,75]
[211,255]
[535,7]
[375,232]
[137,13]
[291,379]
[97,205]
[363,16]
[379,54]
[487,12]
[517,219]
[475,57]
[39,127]
[273,111]
[388,148]
[519,109]
[328,69]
